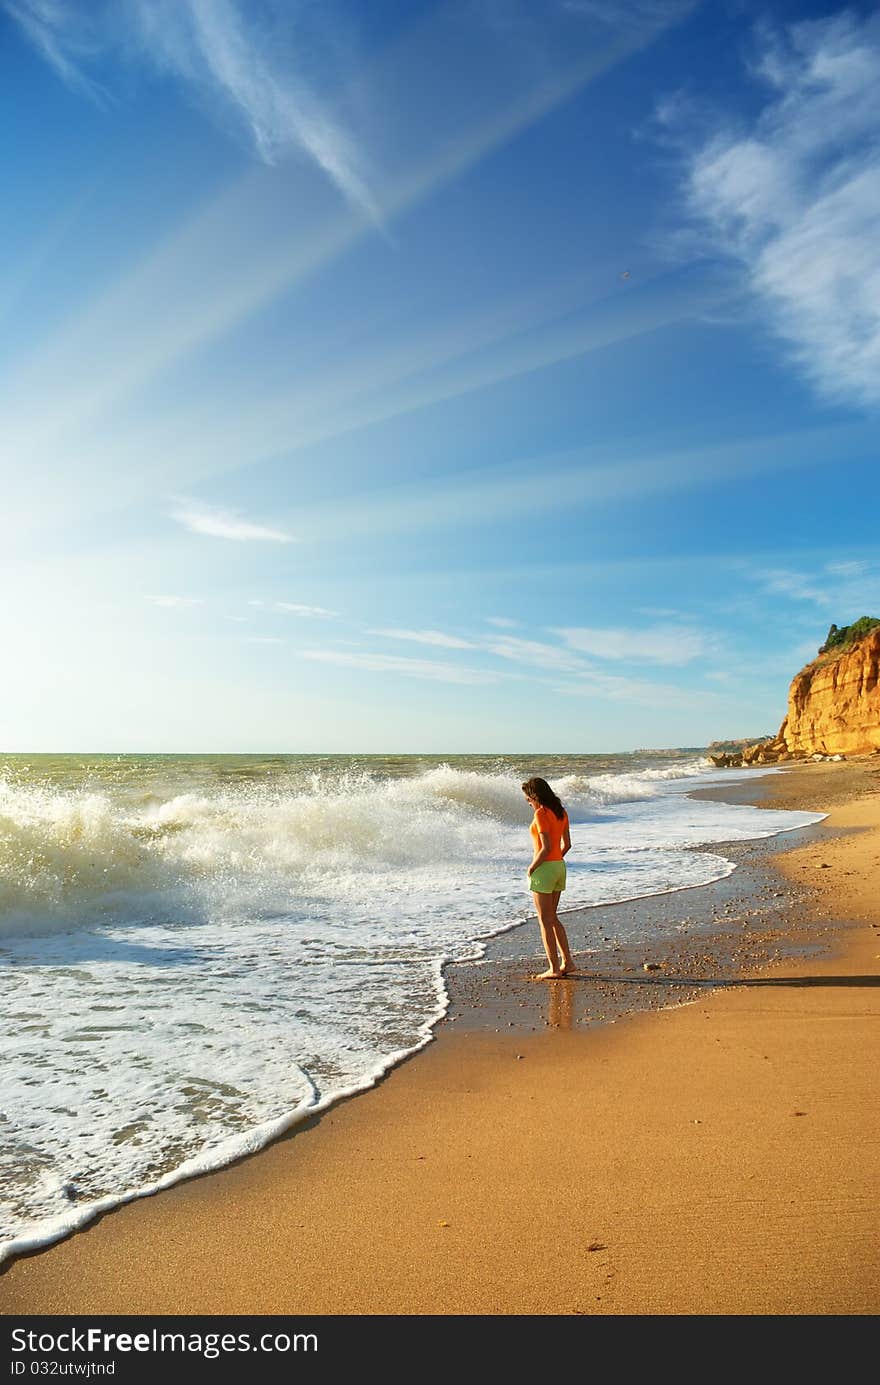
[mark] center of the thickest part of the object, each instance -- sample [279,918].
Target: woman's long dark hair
[541,790]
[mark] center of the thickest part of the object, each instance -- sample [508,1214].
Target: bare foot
[548,976]
[568,969]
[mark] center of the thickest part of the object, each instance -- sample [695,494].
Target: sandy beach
[715,1152]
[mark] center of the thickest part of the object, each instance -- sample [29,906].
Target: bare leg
[560,937]
[547,920]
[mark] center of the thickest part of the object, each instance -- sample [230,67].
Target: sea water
[198,951]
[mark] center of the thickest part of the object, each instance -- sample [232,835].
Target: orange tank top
[546,821]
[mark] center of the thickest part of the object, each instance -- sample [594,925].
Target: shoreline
[707,949]
[392,1186]
[609,990]
[692,939]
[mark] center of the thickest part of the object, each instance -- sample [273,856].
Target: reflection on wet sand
[560,1003]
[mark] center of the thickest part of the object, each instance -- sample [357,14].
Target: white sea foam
[197,953]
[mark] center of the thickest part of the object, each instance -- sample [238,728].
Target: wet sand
[712,1151]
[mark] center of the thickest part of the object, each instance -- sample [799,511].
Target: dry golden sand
[719,1158]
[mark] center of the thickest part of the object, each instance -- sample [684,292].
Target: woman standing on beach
[552,840]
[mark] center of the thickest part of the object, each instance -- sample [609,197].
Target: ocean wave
[68,858]
[582,792]
[124,850]
[223,948]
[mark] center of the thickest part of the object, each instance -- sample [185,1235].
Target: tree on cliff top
[838,640]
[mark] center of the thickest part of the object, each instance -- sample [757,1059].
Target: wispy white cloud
[263,639]
[224,524]
[641,692]
[536,654]
[795,585]
[219,47]
[409,668]
[296,608]
[218,43]
[217,274]
[63,36]
[176,601]
[434,637]
[660,644]
[855,568]
[842,590]
[796,198]
[502,622]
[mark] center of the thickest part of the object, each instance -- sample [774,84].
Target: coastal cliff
[833,703]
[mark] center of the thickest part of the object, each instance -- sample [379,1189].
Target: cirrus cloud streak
[225,524]
[410,668]
[796,199]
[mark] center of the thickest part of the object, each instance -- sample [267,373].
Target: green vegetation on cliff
[839,640]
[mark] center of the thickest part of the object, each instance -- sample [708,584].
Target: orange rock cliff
[833,703]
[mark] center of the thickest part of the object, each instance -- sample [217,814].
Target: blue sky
[488,375]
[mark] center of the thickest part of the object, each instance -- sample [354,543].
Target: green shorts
[548,877]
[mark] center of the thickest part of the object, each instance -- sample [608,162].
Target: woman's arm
[541,855]
[566,840]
